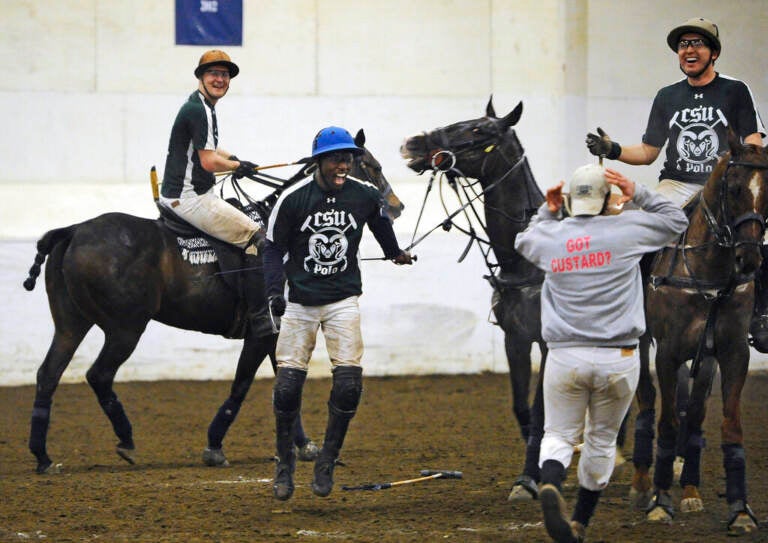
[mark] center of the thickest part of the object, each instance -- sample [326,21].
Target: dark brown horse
[698,305]
[118,272]
[488,150]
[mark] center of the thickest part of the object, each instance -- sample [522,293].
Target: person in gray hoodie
[592,317]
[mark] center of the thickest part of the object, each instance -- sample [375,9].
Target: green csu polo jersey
[321,233]
[195,128]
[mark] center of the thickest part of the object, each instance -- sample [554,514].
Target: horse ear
[360,138]
[734,143]
[490,111]
[513,116]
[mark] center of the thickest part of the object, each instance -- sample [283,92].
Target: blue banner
[209,22]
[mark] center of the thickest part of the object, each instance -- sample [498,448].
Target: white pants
[580,381]
[678,191]
[214,216]
[340,322]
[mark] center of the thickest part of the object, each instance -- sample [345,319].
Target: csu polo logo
[328,244]
[697,143]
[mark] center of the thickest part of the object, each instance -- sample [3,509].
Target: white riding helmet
[588,189]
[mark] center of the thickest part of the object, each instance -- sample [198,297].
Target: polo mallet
[426,475]
[305,160]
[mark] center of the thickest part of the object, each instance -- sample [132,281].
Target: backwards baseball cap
[588,189]
[697,25]
[214,57]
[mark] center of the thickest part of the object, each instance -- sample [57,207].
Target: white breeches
[340,322]
[587,390]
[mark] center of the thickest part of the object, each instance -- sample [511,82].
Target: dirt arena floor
[404,425]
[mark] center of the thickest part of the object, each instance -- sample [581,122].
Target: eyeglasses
[697,43]
[339,157]
[218,73]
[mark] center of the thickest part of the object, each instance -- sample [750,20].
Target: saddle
[197,247]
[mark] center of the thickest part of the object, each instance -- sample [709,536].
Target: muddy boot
[286,400]
[758,328]
[345,396]
[338,422]
[286,456]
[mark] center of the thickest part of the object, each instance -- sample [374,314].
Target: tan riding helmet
[215,57]
[697,25]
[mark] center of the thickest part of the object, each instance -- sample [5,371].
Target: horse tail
[44,246]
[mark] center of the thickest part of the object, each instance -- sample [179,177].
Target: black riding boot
[345,396]
[758,328]
[286,399]
[286,455]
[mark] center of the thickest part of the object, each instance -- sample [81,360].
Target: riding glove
[277,305]
[601,145]
[245,169]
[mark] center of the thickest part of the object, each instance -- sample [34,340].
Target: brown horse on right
[698,305]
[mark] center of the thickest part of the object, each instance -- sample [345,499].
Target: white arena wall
[92,88]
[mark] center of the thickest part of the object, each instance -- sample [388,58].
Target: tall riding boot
[252,290]
[345,396]
[758,328]
[286,400]
[338,422]
[286,456]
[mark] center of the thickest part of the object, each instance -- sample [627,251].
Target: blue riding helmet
[334,138]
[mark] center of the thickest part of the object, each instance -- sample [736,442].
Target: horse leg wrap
[38,433]
[665,459]
[735,464]
[691,474]
[120,423]
[532,450]
[523,416]
[644,434]
[220,424]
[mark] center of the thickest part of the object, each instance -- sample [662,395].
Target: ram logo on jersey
[697,143]
[328,243]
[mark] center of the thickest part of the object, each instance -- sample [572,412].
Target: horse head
[367,168]
[465,146]
[739,182]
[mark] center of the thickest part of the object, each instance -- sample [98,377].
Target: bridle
[443,156]
[724,235]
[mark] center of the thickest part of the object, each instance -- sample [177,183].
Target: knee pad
[347,388]
[286,393]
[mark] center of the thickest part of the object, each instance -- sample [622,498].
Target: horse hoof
[742,520]
[308,452]
[126,453]
[214,458]
[523,489]
[49,469]
[639,499]
[742,524]
[660,509]
[691,501]
[658,514]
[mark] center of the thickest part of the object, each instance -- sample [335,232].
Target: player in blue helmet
[312,241]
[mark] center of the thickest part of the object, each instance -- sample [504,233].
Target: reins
[713,291]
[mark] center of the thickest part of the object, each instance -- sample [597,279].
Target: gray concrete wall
[91,89]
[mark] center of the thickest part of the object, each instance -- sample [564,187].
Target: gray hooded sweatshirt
[592,293]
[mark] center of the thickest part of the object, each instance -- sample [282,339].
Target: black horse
[118,272]
[488,150]
[698,306]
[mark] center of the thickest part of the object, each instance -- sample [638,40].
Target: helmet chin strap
[211,99]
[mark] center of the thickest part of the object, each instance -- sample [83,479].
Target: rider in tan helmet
[194,156]
[692,116]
